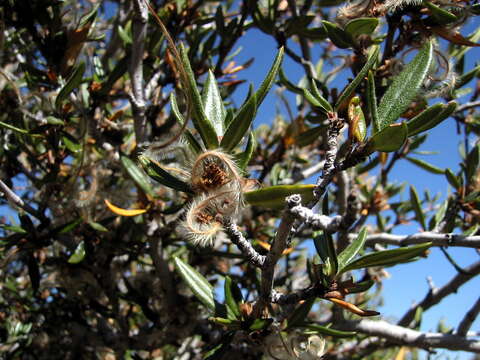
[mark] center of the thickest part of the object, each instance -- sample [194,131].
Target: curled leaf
[124,212]
[353,308]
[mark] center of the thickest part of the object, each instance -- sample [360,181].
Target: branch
[137,98]
[436,295]
[467,106]
[468,319]
[279,244]
[327,223]
[329,169]
[243,244]
[17,200]
[409,337]
[419,238]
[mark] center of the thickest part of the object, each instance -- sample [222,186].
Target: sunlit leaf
[124,212]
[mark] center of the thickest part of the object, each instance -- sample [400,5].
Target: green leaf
[73,82]
[326,250]
[233,297]
[219,351]
[213,104]
[97,226]
[388,257]
[298,316]
[274,196]
[372,102]
[78,255]
[203,125]
[430,117]
[244,117]
[194,144]
[137,175]
[453,179]
[157,173]
[72,144]
[338,36]
[313,101]
[197,283]
[425,165]
[318,96]
[389,139]
[356,120]
[442,16]
[347,255]
[260,324]
[361,286]
[358,79]
[244,158]
[240,124]
[471,162]
[420,121]
[405,87]
[360,26]
[417,207]
[318,329]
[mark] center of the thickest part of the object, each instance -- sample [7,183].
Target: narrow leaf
[240,124]
[425,165]
[359,26]
[405,87]
[203,125]
[233,297]
[160,174]
[245,156]
[274,196]
[452,179]
[270,78]
[347,255]
[389,139]
[372,101]
[73,82]
[78,255]
[194,144]
[318,329]
[424,122]
[358,79]
[213,104]
[417,207]
[197,283]
[388,257]
[123,212]
[137,175]
[298,316]
[338,36]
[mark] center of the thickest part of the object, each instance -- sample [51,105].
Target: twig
[294,298]
[329,169]
[419,238]
[467,106]
[17,200]
[137,98]
[279,244]
[468,319]
[405,336]
[435,296]
[243,244]
[322,222]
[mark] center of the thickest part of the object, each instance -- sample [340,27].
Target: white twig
[17,201]
[279,244]
[137,98]
[468,319]
[405,336]
[331,154]
[419,238]
[243,244]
